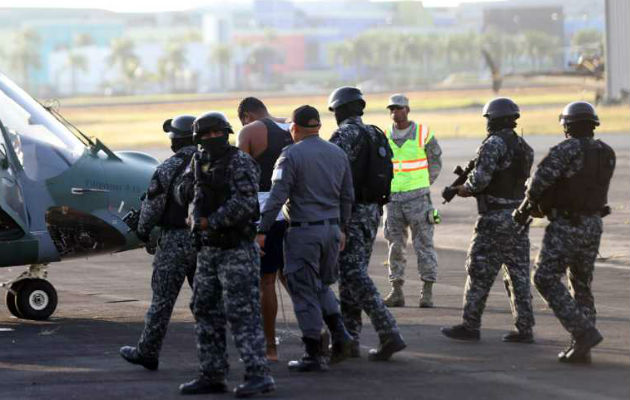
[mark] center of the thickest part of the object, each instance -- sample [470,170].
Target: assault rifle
[462,174]
[132,218]
[198,202]
[522,215]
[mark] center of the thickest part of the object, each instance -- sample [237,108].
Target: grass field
[137,121]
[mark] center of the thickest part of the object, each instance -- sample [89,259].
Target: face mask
[216,146]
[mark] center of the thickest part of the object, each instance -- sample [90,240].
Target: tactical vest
[411,168]
[586,192]
[174,216]
[215,190]
[510,182]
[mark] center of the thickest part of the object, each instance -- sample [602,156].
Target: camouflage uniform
[357,292]
[569,246]
[175,258]
[497,241]
[409,210]
[226,287]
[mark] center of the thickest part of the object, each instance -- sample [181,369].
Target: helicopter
[62,195]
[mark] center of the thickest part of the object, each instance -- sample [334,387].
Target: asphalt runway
[102,301]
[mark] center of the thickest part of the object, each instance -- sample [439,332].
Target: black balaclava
[497,124]
[216,146]
[579,129]
[352,109]
[177,144]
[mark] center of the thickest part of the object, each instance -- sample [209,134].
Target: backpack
[373,171]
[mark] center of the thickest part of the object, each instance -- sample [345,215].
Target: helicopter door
[13,220]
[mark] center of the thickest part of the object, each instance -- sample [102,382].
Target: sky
[152,5]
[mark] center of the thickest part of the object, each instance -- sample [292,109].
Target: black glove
[144,237]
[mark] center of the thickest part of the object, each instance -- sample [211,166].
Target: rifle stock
[462,174]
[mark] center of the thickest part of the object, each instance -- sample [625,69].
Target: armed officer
[357,292]
[175,258]
[314,176]
[263,137]
[222,185]
[497,181]
[570,187]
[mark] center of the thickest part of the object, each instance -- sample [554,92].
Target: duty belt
[492,207]
[573,214]
[329,221]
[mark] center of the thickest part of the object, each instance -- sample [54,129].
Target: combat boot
[390,343]
[204,384]
[396,297]
[312,360]
[133,355]
[460,332]
[517,336]
[341,347]
[255,384]
[562,356]
[426,295]
[582,345]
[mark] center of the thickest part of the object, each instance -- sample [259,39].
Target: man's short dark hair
[250,104]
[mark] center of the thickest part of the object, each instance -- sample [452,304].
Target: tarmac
[102,301]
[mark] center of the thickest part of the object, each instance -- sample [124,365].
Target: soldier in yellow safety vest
[417,164]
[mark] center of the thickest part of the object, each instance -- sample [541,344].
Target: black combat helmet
[578,111]
[344,95]
[210,121]
[501,107]
[179,127]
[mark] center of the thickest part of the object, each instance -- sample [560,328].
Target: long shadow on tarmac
[78,359]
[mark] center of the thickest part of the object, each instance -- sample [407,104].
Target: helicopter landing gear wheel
[36,299]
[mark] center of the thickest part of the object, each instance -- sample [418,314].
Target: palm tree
[83,39]
[261,58]
[122,55]
[221,55]
[24,55]
[171,64]
[75,62]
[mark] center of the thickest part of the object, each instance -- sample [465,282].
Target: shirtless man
[263,137]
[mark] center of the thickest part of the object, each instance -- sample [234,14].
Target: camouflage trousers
[497,242]
[569,249]
[357,292]
[399,217]
[226,290]
[175,260]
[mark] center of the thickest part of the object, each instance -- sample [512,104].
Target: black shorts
[273,260]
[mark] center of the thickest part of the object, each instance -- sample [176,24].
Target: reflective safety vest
[411,168]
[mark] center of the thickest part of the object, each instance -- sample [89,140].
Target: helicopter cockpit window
[44,147]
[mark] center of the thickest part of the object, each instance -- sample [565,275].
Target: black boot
[460,332]
[580,352]
[390,344]
[341,347]
[312,360]
[132,355]
[255,384]
[562,356]
[204,384]
[519,337]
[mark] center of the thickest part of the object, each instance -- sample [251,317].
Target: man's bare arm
[252,139]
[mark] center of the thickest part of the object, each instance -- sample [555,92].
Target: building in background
[617,50]
[272,44]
